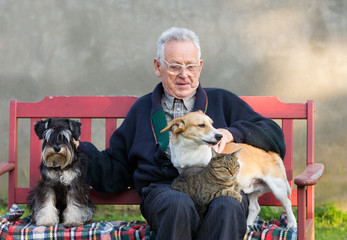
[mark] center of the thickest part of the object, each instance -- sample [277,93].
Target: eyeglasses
[175,68]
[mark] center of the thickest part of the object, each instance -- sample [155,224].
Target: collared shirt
[174,107]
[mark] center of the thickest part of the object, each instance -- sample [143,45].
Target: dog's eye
[201,125]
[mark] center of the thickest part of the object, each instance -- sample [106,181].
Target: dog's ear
[75,128]
[40,127]
[175,126]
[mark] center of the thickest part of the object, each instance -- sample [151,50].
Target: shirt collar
[188,102]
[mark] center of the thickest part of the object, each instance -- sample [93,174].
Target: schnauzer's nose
[56,149]
[218,136]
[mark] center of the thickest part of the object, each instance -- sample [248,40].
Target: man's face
[184,53]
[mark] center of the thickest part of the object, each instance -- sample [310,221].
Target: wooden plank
[77,107]
[13,152]
[287,127]
[110,127]
[127,197]
[268,199]
[301,213]
[273,107]
[35,154]
[310,175]
[86,129]
[6,167]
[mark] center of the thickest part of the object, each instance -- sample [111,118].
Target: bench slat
[77,107]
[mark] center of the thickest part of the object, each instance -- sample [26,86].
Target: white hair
[180,34]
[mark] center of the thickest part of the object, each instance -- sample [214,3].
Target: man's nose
[183,73]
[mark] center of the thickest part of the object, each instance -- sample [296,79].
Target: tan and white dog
[260,171]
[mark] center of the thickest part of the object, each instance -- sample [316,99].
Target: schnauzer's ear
[40,127]
[75,128]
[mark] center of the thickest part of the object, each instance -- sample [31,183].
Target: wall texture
[296,50]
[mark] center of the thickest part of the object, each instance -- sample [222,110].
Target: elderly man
[138,153]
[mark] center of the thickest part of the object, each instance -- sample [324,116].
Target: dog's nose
[56,149]
[218,136]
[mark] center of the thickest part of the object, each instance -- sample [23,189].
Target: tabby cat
[204,183]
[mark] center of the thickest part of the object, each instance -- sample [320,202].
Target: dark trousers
[172,215]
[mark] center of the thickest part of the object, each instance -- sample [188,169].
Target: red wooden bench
[111,108]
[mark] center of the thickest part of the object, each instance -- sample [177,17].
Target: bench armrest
[310,175]
[6,167]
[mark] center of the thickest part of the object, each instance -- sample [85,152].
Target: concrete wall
[296,50]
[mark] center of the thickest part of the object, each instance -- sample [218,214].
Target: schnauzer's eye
[201,125]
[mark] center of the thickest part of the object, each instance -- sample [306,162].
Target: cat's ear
[214,153]
[236,154]
[176,125]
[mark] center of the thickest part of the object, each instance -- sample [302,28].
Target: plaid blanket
[12,227]
[272,230]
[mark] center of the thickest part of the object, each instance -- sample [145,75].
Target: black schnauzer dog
[62,193]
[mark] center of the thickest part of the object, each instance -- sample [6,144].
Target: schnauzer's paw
[72,219]
[47,221]
[71,224]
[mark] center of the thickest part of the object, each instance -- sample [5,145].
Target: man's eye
[201,125]
[175,67]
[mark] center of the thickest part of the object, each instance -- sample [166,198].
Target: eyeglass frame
[182,67]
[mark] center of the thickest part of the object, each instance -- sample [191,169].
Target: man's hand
[227,137]
[77,143]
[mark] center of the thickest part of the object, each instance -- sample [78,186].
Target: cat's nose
[218,136]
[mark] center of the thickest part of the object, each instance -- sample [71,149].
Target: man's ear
[156,65]
[175,126]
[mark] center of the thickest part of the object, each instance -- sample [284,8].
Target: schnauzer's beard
[52,158]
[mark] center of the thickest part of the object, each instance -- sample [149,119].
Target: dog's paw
[47,216]
[292,224]
[47,221]
[71,224]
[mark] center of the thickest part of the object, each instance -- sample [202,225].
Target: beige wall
[296,50]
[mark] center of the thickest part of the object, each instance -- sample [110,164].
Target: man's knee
[179,202]
[229,205]
[165,200]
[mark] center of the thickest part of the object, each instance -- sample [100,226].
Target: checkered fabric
[272,230]
[11,227]
[175,108]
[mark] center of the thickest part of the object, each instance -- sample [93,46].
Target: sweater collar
[158,119]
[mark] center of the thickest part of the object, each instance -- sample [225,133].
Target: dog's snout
[218,136]
[56,149]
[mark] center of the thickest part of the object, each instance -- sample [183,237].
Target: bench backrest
[111,108]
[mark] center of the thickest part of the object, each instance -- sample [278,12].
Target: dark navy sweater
[136,154]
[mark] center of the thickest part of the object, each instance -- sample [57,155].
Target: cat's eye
[201,125]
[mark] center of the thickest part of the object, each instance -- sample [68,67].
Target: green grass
[330,221]
[118,213]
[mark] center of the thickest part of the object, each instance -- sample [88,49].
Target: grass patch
[330,221]
[118,213]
